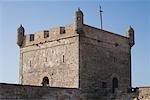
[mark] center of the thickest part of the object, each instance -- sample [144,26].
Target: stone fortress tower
[77,56]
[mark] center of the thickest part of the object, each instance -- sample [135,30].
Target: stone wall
[56,59]
[22,92]
[103,56]
[27,92]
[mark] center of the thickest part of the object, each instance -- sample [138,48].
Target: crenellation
[31,37]
[62,30]
[27,40]
[48,35]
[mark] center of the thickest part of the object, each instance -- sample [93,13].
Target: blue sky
[39,15]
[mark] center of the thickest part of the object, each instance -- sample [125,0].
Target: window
[63,58]
[31,37]
[46,34]
[98,40]
[115,59]
[114,84]
[62,30]
[45,81]
[30,63]
[104,85]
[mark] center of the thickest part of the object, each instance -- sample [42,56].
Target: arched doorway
[114,84]
[45,81]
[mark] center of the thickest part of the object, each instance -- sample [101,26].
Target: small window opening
[31,37]
[30,63]
[98,41]
[45,81]
[104,85]
[63,58]
[64,31]
[115,59]
[46,34]
[114,84]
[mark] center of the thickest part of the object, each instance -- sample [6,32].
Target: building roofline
[106,31]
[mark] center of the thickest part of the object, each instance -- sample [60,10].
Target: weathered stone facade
[57,59]
[104,56]
[75,62]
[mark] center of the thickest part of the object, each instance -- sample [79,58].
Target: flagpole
[101,19]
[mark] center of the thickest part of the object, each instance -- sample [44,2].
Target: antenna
[101,19]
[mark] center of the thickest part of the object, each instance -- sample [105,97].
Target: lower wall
[27,92]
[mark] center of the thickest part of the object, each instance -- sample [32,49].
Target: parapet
[48,35]
[71,30]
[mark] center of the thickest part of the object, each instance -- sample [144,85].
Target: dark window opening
[64,31]
[31,37]
[114,84]
[104,85]
[30,63]
[46,34]
[45,81]
[63,58]
[115,59]
[98,41]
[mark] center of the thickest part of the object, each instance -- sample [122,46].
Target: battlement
[68,31]
[78,26]
[48,35]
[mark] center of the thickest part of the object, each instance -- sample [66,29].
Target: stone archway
[45,81]
[114,84]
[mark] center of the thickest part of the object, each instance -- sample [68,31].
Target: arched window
[114,84]
[45,81]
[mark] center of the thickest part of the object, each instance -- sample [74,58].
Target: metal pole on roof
[101,18]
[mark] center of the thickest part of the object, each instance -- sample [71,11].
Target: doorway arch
[45,81]
[114,84]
